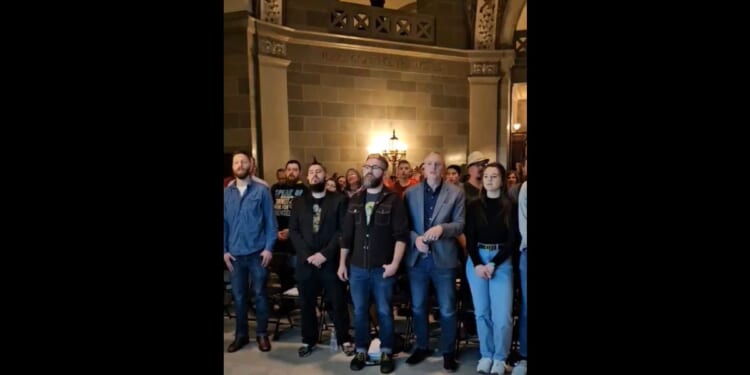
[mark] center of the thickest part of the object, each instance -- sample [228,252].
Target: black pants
[335,295]
[282,264]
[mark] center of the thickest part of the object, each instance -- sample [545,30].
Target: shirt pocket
[355,212]
[383,215]
[252,214]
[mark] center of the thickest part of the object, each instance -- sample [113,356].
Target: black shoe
[263,343]
[417,356]
[449,362]
[305,350]
[386,363]
[237,344]
[358,362]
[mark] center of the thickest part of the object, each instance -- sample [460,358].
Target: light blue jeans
[493,307]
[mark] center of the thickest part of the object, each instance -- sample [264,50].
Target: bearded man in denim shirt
[249,236]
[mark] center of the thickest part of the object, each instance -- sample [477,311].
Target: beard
[370,181]
[291,180]
[317,188]
[242,174]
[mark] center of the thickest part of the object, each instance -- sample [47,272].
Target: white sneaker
[484,365]
[520,368]
[498,368]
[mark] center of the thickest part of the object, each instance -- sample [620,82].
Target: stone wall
[451,23]
[308,14]
[238,92]
[341,102]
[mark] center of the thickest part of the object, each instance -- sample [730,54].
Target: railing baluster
[379,23]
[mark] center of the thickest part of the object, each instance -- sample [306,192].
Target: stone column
[274,107]
[483,109]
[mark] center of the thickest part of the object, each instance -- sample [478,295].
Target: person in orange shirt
[403,178]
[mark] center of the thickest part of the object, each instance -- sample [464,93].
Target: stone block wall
[451,23]
[342,102]
[238,93]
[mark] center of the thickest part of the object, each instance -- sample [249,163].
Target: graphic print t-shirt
[283,197]
[369,205]
[316,215]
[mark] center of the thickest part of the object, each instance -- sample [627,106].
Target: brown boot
[263,343]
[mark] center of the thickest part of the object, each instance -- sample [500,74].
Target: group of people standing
[359,243]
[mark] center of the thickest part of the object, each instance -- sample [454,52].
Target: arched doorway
[517,130]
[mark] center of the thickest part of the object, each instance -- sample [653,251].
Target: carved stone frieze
[485,68]
[272,47]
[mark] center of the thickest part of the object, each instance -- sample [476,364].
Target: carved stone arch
[484,22]
[513,10]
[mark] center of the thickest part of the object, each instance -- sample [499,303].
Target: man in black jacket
[315,231]
[376,229]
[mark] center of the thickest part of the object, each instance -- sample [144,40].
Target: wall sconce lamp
[394,151]
[516,126]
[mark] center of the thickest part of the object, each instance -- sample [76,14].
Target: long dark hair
[507,205]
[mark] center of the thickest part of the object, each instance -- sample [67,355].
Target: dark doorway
[227,165]
[517,147]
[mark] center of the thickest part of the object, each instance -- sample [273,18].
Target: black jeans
[335,295]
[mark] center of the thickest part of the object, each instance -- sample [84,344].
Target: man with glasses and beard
[376,230]
[249,236]
[315,231]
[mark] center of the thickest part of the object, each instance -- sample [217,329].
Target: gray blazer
[449,212]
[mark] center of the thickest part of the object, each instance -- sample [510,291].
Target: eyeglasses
[367,167]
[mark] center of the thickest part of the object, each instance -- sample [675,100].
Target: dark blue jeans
[444,280]
[363,283]
[247,267]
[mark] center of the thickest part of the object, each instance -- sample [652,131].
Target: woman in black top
[491,236]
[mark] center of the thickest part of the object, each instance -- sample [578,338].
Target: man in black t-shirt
[283,195]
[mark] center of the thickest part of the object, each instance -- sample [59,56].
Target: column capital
[485,68]
[271,47]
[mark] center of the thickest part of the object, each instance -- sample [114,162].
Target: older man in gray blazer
[436,212]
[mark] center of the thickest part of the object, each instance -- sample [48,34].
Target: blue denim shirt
[249,222]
